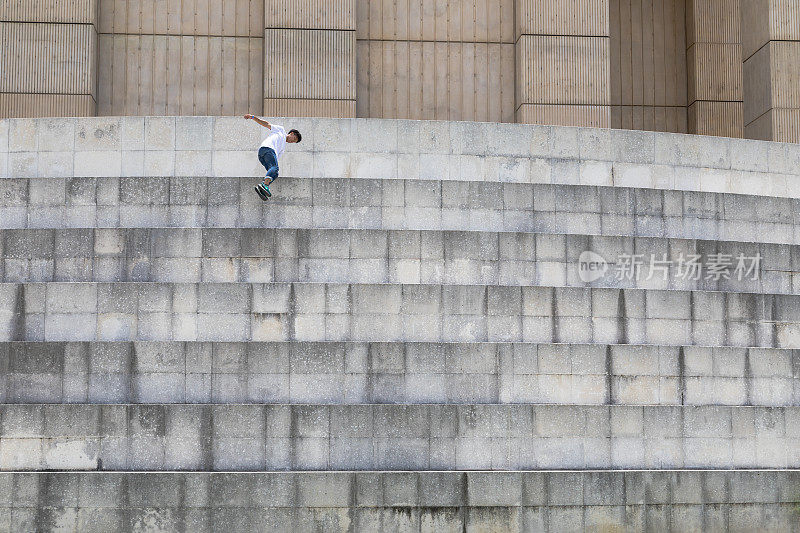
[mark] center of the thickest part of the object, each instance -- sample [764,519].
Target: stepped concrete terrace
[404,337]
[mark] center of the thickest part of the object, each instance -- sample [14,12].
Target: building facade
[666,65]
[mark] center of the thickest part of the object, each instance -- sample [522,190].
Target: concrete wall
[363,373]
[648,65]
[405,204]
[563,62]
[407,300]
[438,313]
[310,58]
[771,47]
[180,58]
[395,501]
[191,255]
[714,64]
[48,57]
[668,66]
[437,60]
[234,437]
[406,150]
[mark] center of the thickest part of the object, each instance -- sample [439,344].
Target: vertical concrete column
[714,67]
[48,58]
[648,64]
[436,59]
[310,58]
[180,57]
[771,48]
[563,62]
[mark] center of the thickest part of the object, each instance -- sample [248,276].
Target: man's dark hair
[299,137]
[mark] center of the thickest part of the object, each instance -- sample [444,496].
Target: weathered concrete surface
[426,257]
[406,149]
[355,373]
[402,501]
[405,437]
[431,266]
[397,312]
[395,205]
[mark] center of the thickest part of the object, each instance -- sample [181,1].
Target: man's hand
[246,117]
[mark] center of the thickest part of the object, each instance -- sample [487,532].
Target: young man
[271,149]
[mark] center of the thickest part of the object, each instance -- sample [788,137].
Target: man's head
[293,136]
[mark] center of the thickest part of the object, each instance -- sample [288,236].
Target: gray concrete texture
[192,255]
[396,312]
[375,203]
[438,150]
[407,301]
[427,502]
[356,373]
[235,437]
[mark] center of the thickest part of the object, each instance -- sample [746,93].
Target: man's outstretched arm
[259,121]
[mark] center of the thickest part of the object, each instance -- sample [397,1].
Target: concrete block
[159,163]
[222,298]
[195,163]
[234,133]
[23,165]
[4,124]
[596,173]
[373,165]
[635,146]
[55,135]
[98,163]
[375,136]
[21,454]
[101,133]
[22,135]
[434,137]
[332,164]
[54,164]
[298,164]
[71,298]
[227,163]
[332,135]
[565,171]
[224,326]
[491,490]
[271,298]
[131,133]
[191,133]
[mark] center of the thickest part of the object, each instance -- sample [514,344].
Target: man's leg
[270,162]
[265,160]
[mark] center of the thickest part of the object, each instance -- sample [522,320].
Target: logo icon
[591,266]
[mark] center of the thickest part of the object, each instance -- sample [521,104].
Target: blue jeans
[268,158]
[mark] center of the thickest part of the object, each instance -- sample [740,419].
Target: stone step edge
[415,342]
[329,229]
[467,487]
[538,170]
[610,235]
[468,405]
[793,195]
[443,285]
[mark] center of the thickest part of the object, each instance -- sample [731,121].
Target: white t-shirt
[276,139]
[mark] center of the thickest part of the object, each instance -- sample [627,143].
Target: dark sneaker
[265,188]
[260,192]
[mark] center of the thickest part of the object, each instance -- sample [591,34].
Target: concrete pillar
[48,58]
[563,62]
[771,46]
[436,59]
[648,64]
[310,58]
[180,57]
[714,67]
